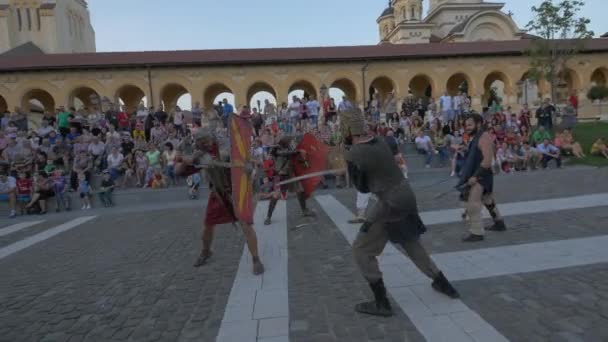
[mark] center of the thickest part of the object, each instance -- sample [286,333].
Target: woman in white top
[178,121]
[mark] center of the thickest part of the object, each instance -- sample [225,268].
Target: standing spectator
[197,114]
[313,110]
[549,152]
[8,191]
[178,121]
[257,122]
[545,113]
[458,104]
[84,190]
[123,121]
[63,121]
[424,145]
[227,109]
[446,105]
[374,107]
[524,117]
[390,106]
[168,160]
[345,105]
[60,188]
[270,110]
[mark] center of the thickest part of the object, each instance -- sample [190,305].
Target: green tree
[598,92]
[562,33]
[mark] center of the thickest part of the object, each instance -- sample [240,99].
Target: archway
[528,91]
[343,87]
[130,97]
[458,83]
[496,88]
[37,101]
[260,92]
[568,83]
[301,89]
[382,86]
[3,105]
[174,94]
[421,86]
[84,97]
[599,77]
[216,93]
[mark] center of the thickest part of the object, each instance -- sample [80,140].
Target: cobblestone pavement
[125,277]
[127,274]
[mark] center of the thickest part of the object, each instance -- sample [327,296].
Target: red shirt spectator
[24,186]
[123,120]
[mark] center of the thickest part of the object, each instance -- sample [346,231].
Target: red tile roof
[272,56]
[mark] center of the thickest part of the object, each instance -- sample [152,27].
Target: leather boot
[380,306]
[498,226]
[442,284]
[203,258]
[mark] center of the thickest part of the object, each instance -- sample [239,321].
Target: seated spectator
[540,135]
[532,156]
[106,190]
[549,152]
[8,191]
[158,180]
[600,148]
[115,159]
[43,190]
[24,191]
[565,142]
[168,160]
[504,158]
[141,167]
[128,169]
[424,146]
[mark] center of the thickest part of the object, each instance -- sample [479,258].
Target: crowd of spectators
[71,148]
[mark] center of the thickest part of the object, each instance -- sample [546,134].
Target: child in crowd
[106,190]
[194,182]
[60,188]
[158,180]
[25,186]
[84,189]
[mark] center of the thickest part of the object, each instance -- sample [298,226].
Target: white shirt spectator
[423,142]
[446,103]
[97,149]
[548,149]
[294,110]
[114,161]
[44,131]
[458,102]
[178,118]
[10,184]
[142,114]
[313,108]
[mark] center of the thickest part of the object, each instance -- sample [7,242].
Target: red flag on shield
[315,160]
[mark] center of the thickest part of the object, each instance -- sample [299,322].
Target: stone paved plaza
[126,274]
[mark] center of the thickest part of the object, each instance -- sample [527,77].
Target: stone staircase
[416,162]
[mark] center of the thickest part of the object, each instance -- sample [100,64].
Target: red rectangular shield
[241,132]
[315,161]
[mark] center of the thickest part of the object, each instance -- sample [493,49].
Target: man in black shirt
[544,114]
[105,192]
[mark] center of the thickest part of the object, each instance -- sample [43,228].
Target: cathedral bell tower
[408,10]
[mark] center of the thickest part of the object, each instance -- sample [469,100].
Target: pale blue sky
[126,25]
[144,25]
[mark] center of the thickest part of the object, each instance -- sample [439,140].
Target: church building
[402,22]
[45,26]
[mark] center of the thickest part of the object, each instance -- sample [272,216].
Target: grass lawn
[586,134]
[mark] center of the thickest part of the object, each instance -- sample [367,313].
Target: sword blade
[311,175]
